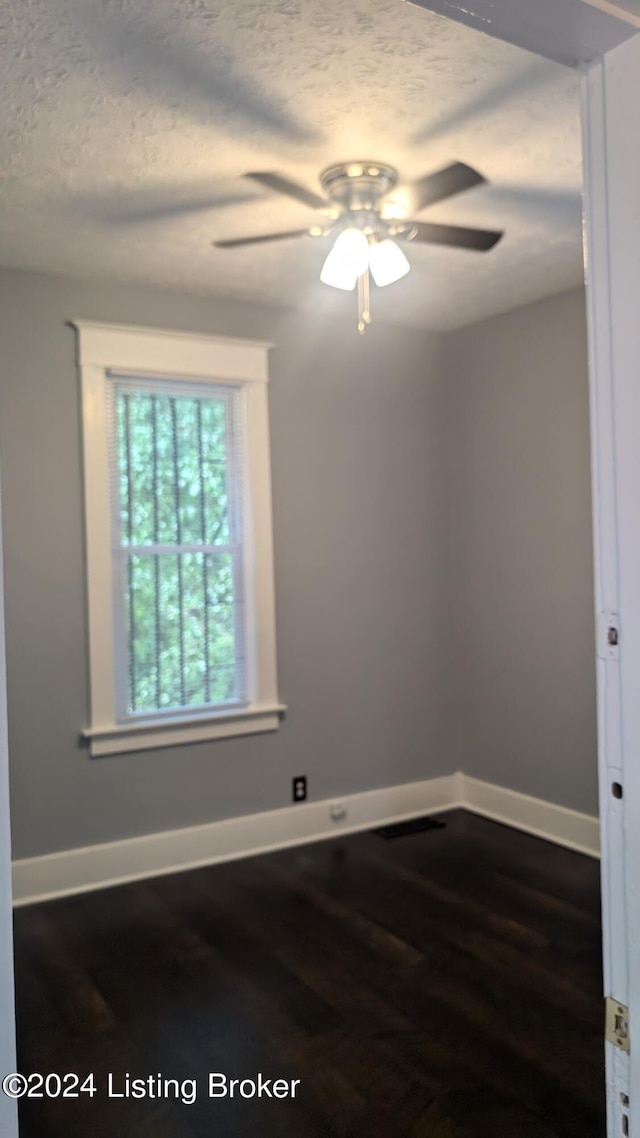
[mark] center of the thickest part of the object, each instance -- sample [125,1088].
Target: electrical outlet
[299,788]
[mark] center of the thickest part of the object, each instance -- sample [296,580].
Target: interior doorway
[606,657]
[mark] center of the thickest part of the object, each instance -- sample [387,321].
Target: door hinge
[616,1023]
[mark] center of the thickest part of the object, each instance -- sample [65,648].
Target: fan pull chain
[364,302]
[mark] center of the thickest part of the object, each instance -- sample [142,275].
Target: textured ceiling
[127,125]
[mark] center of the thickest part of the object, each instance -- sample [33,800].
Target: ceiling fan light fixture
[387,262]
[347,260]
[393,211]
[371,208]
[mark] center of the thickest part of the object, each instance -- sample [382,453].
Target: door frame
[8,1108]
[607,519]
[600,39]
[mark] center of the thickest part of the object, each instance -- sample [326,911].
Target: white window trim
[107,348]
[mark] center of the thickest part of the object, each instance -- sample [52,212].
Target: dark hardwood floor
[442,985]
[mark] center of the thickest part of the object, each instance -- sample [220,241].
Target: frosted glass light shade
[347,260]
[387,262]
[337,274]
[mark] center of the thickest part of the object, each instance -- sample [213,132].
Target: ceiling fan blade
[236,242]
[291,189]
[478,240]
[443,184]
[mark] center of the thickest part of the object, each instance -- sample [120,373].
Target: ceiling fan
[361,205]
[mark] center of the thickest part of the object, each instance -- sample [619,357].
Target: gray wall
[432,534]
[362,570]
[518,432]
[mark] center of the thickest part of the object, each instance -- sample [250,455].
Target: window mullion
[176,482]
[205,564]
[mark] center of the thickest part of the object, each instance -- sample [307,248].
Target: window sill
[128,737]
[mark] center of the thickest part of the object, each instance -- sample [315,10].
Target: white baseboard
[557,824]
[152,855]
[94,867]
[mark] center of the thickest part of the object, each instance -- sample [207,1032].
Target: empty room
[298,575]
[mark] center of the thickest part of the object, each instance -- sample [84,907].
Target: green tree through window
[178,540]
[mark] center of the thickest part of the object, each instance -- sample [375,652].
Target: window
[176,506]
[179,547]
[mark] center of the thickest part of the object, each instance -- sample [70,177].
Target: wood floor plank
[446,984]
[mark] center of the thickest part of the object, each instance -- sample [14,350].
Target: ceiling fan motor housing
[357,186]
